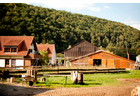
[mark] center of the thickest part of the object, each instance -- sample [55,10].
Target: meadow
[89,80]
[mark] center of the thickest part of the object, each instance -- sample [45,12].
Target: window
[79,49]
[10,49]
[6,49]
[13,62]
[97,62]
[13,49]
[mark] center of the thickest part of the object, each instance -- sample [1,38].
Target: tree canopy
[65,28]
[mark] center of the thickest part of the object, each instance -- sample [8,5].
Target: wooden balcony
[33,56]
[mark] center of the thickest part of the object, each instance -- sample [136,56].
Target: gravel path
[15,89]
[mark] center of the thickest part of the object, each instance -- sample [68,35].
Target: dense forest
[65,29]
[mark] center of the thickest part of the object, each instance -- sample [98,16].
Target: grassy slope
[90,80]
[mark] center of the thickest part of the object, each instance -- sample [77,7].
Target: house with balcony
[18,51]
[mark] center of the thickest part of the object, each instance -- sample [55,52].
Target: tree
[64,28]
[45,57]
[105,41]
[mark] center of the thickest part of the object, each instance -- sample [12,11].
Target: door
[104,64]
[6,62]
[117,63]
[110,63]
[90,62]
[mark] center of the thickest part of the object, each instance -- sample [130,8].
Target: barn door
[104,64]
[90,61]
[117,63]
[110,63]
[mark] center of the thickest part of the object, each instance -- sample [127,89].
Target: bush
[61,60]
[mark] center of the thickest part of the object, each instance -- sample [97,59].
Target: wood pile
[134,92]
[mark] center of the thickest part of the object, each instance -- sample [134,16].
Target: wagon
[30,76]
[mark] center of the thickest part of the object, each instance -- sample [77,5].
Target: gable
[83,46]
[46,47]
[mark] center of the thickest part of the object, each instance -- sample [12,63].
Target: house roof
[46,47]
[76,45]
[99,51]
[13,43]
[25,42]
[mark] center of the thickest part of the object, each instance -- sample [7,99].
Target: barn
[79,49]
[104,59]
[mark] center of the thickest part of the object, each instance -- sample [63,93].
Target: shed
[104,59]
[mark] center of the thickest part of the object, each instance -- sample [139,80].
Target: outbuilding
[104,59]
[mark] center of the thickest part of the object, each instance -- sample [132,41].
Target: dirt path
[15,89]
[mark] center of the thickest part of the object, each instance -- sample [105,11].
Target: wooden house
[79,49]
[104,59]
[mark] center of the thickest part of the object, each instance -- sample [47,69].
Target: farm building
[79,49]
[51,51]
[104,59]
[20,51]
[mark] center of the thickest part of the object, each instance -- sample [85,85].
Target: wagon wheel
[30,83]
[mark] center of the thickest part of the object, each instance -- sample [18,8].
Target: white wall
[54,56]
[19,62]
[33,49]
[2,62]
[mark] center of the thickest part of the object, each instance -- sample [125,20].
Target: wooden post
[66,80]
[80,78]
[74,75]
[12,79]
[42,79]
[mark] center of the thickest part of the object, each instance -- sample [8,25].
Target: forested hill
[65,28]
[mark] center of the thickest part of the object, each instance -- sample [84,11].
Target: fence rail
[18,73]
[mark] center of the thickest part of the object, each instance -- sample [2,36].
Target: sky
[118,10]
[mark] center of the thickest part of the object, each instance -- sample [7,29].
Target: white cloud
[107,7]
[72,4]
[137,26]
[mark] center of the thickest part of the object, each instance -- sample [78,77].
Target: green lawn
[90,80]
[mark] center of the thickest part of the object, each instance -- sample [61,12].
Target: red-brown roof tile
[13,42]
[25,42]
[46,47]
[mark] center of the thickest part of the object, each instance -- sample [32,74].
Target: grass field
[90,80]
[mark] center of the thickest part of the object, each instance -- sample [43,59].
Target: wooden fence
[18,73]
